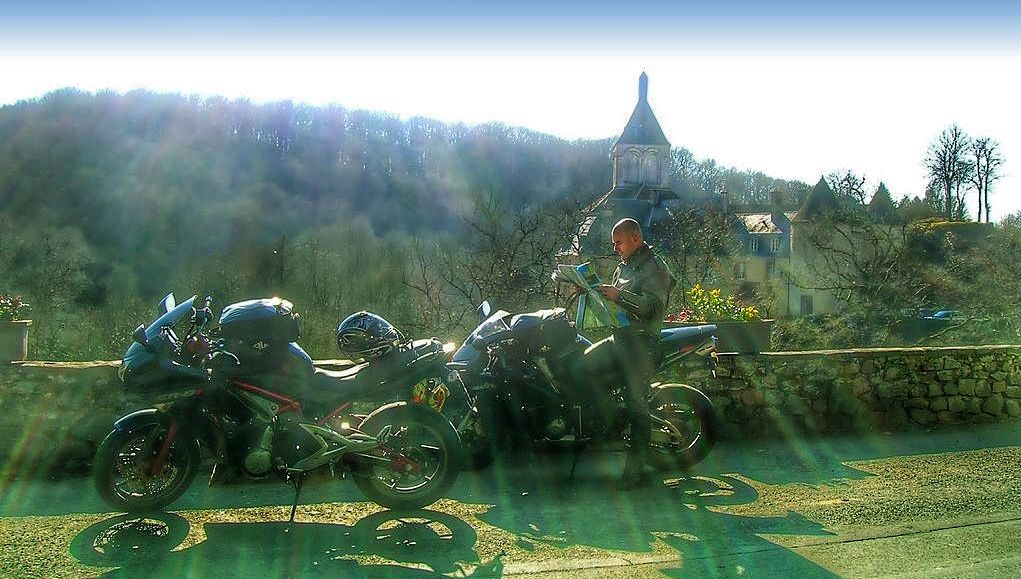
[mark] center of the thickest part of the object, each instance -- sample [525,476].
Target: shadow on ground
[524,509]
[420,543]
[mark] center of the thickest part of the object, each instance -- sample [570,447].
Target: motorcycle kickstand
[296,481]
[578,448]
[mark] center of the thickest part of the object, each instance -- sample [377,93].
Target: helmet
[366,335]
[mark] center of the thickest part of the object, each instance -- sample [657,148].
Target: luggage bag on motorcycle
[259,331]
[548,331]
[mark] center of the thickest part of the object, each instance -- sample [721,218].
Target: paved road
[945,503]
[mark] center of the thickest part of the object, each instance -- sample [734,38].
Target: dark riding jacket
[644,282]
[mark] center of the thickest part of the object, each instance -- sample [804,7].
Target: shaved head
[627,237]
[627,226]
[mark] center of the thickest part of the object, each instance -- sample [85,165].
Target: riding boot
[635,473]
[635,467]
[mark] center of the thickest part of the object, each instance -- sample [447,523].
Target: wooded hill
[107,201]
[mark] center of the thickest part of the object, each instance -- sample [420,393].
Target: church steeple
[642,152]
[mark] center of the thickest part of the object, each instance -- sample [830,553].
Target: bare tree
[848,185]
[986,162]
[949,171]
[859,260]
[506,254]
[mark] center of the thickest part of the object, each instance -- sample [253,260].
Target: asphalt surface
[945,503]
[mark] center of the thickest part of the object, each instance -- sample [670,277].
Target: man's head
[627,237]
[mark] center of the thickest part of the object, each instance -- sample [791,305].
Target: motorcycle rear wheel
[419,436]
[123,463]
[683,426]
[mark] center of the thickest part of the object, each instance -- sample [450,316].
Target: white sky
[790,114]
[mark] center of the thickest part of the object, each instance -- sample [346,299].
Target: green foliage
[13,307]
[712,306]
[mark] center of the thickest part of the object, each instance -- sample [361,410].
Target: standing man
[641,285]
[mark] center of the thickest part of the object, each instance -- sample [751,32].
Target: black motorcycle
[253,398]
[387,366]
[536,379]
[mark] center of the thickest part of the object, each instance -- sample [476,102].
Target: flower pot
[741,337]
[14,340]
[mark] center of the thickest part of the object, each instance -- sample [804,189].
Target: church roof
[642,128]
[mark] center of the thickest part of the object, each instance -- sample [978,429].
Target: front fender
[140,418]
[211,437]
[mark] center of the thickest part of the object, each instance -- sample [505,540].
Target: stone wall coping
[775,355]
[879,351]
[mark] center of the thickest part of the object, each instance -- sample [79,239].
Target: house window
[806,305]
[771,269]
[739,271]
[753,245]
[774,245]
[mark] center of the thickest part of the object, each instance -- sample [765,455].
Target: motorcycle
[253,398]
[536,379]
[412,370]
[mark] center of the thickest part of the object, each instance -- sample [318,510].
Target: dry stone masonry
[862,390]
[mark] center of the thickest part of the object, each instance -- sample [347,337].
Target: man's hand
[609,292]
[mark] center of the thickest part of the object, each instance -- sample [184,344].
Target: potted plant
[739,328]
[13,328]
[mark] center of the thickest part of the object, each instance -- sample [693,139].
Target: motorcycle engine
[257,462]
[556,429]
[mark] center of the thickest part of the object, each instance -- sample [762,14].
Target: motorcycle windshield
[170,318]
[137,355]
[494,324]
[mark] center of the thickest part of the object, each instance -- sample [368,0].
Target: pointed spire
[643,128]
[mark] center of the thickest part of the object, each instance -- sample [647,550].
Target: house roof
[642,128]
[758,222]
[820,200]
[881,207]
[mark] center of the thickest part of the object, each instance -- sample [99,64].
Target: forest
[108,201]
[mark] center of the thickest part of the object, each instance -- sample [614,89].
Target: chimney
[776,206]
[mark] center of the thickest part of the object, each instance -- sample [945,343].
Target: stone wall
[56,414]
[779,393]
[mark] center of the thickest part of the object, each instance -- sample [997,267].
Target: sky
[794,89]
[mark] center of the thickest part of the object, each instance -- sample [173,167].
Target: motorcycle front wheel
[124,464]
[683,426]
[421,457]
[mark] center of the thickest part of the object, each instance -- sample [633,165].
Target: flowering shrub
[710,306]
[12,308]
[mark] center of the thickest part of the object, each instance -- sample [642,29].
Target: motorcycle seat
[330,378]
[673,337]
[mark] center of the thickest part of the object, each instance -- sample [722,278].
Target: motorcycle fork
[161,457]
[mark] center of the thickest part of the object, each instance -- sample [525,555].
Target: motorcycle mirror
[167,303]
[139,336]
[485,309]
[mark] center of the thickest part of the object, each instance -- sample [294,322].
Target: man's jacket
[644,282]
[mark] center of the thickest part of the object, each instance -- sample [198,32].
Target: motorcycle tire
[683,426]
[121,470]
[421,435]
